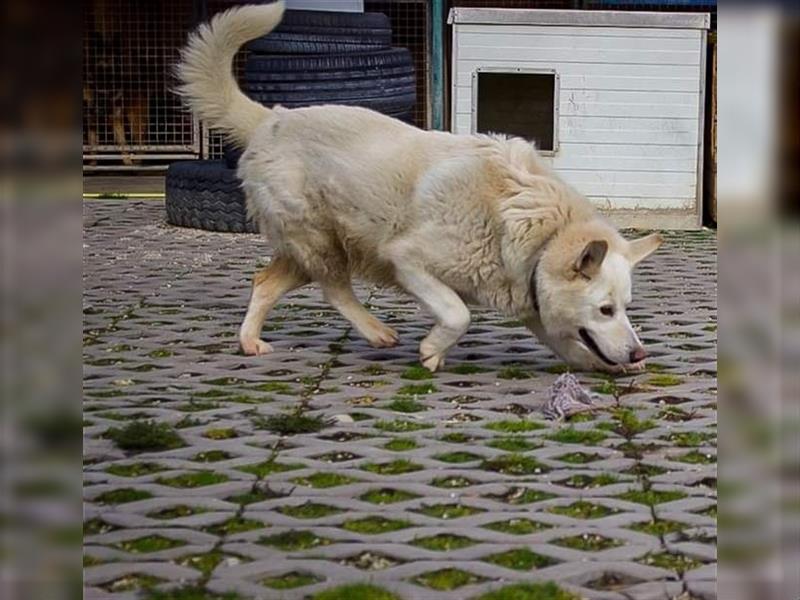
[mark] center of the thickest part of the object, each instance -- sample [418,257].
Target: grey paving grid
[330,462]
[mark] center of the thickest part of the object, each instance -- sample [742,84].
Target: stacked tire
[311,58]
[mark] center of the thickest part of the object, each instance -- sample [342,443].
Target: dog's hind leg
[340,295]
[269,284]
[451,314]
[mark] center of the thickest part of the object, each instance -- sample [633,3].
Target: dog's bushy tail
[205,70]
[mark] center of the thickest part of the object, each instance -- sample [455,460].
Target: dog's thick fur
[345,192]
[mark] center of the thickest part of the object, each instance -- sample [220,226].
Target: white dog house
[614,100]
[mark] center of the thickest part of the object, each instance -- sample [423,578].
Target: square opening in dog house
[518,103]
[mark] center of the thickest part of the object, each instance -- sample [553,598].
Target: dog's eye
[607,310]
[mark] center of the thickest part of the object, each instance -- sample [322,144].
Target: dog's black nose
[638,354]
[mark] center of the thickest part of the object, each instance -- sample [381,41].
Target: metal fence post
[437,65]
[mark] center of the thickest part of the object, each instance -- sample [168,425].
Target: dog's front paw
[382,336]
[433,362]
[254,346]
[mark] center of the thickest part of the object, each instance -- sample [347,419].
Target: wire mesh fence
[130,115]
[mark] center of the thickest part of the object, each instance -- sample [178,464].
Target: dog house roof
[580,18]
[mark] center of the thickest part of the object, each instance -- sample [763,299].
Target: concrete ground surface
[329,462]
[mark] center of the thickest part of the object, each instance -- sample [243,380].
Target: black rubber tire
[299,20]
[276,66]
[327,79]
[206,194]
[361,85]
[386,105]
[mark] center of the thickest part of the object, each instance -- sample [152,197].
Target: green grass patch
[520,495]
[193,480]
[457,457]
[449,511]
[386,496]
[205,563]
[570,435]
[519,559]
[519,426]
[145,436]
[588,481]
[517,526]
[253,496]
[97,526]
[418,389]
[514,372]
[583,510]
[395,467]
[294,540]
[401,444]
[697,458]
[148,544]
[189,592]
[222,433]
[679,563]
[290,424]
[651,497]
[529,591]
[406,405]
[664,380]
[587,542]
[467,369]
[690,439]
[443,542]
[268,467]
[375,525]
[274,387]
[401,426]
[643,470]
[175,512]
[417,373]
[290,581]
[139,469]
[355,591]
[122,496]
[452,481]
[456,437]
[211,456]
[578,458]
[512,443]
[628,424]
[373,370]
[324,480]
[235,525]
[447,579]
[309,510]
[131,582]
[514,464]
[659,528]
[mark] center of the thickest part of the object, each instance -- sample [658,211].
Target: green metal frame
[437,64]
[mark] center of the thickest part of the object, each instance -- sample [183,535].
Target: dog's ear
[590,259]
[640,249]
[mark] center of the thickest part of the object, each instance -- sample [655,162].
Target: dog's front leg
[451,314]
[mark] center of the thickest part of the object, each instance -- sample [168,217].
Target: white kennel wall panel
[630,96]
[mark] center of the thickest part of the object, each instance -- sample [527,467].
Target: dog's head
[582,285]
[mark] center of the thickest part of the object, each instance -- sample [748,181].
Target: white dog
[452,220]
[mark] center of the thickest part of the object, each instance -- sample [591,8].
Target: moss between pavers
[570,435]
[268,467]
[401,444]
[680,563]
[457,457]
[520,495]
[396,467]
[294,540]
[135,470]
[452,481]
[375,525]
[529,591]
[514,372]
[190,592]
[417,389]
[355,591]
[519,559]
[205,563]
[370,561]
[290,581]
[210,456]
[457,437]
[449,511]
[651,497]
[253,496]
[290,424]
[406,405]
[514,464]
[176,512]
[690,439]
[97,526]
[587,542]
[664,380]
[443,542]
[144,436]
[324,480]
[659,528]
[150,543]
[643,470]
[193,480]
[466,369]
[386,496]
[517,526]
[122,496]
[309,510]
[513,444]
[519,426]
[627,424]
[274,387]
[697,458]
[578,458]
[583,510]
[401,426]
[447,579]
[373,370]
[417,373]
[235,525]
[222,433]
[587,481]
